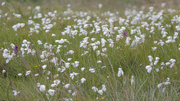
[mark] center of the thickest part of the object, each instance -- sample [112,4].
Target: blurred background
[107,4]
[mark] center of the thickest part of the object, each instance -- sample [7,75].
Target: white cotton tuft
[42,88]
[51,92]
[15,92]
[44,66]
[132,80]
[120,72]
[100,92]
[156,60]
[148,68]
[83,80]
[94,89]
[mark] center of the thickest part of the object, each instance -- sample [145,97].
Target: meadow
[101,51]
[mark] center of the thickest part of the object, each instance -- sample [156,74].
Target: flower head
[10,83]
[42,88]
[124,34]
[16,49]
[16,92]
[51,92]
[120,72]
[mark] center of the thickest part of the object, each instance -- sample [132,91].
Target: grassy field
[88,50]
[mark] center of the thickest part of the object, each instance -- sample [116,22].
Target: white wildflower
[39,42]
[83,80]
[92,70]
[53,85]
[19,74]
[69,59]
[42,88]
[38,84]
[100,5]
[132,80]
[3,71]
[73,74]
[15,92]
[120,72]
[74,94]
[3,3]
[53,35]
[154,48]
[57,82]
[156,60]
[36,74]
[51,92]
[157,70]
[100,92]
[67,86]
[82,69]
[99,61]
[28,72]
[44,66]
[163,5]
[159,85]
[148,68]
[150,59]
[94,89]
[103,87]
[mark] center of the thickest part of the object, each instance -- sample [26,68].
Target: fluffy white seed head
[51,92]
[120,72]
[42,88]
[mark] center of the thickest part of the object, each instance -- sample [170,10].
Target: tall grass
[132,59]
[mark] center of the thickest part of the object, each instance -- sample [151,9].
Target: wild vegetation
[67,53]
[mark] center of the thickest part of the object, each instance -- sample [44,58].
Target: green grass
[132,60]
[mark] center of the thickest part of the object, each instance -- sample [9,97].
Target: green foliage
[132,60]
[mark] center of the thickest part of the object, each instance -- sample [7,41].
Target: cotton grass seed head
[51,92]
[42,88]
